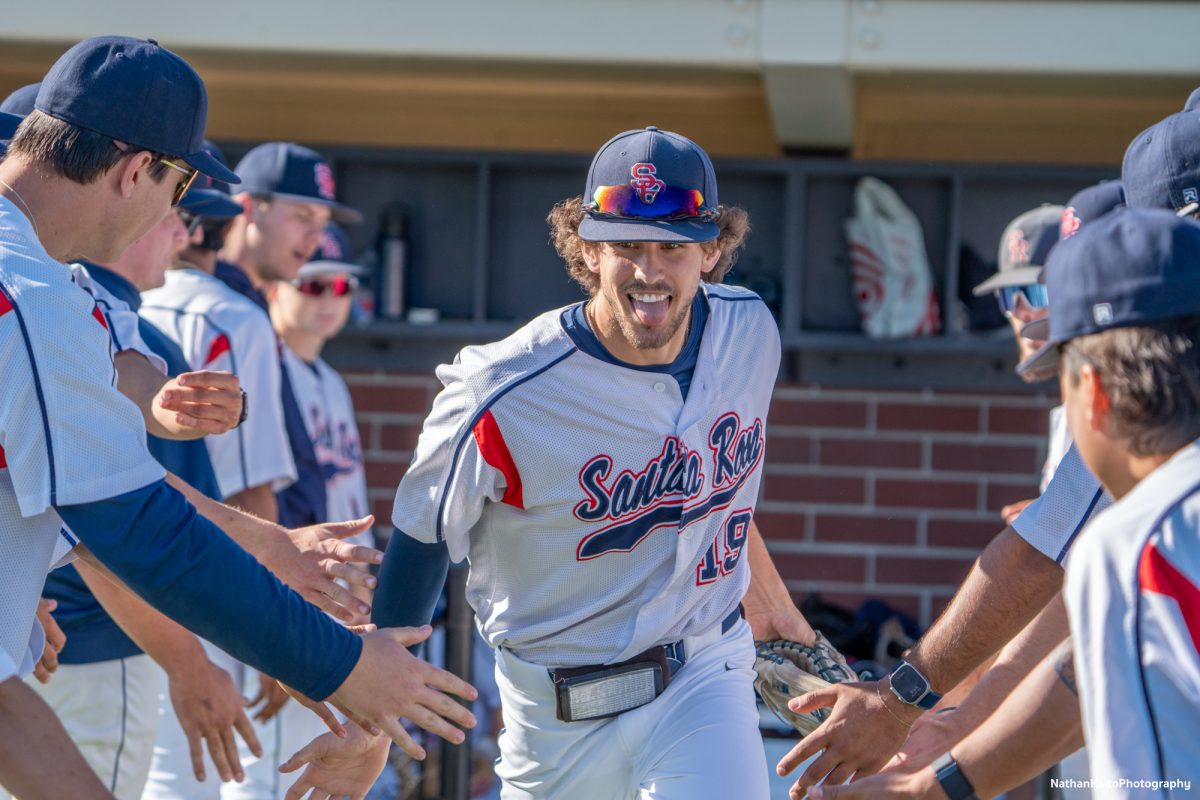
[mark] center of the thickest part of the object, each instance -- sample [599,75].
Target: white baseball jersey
[601,514]
[67,436]
[122,320]
[328,412]
[219,329]
[1072,497]
[1133,596]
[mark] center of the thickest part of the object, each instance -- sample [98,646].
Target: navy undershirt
[574,322]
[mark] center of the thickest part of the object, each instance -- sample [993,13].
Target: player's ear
[249,204]
[130,171]
[712,254]
[1095,397]
[591,255]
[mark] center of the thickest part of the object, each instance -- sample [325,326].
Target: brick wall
[867,493]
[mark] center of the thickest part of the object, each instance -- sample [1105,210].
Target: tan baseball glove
[788,669]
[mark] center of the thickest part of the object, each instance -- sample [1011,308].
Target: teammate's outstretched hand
[859,738]
[55,641]
[921,784]
[210,709]
[388,682]
[931,735]
[271,695]
[338,767]
[312,559]
[198,403]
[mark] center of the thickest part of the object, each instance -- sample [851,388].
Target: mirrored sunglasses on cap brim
[668,204]
[338,287]
[1033,294]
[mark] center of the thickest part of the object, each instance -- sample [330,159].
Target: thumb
[822,698]
[409,636]
[304,755]
[51,604]
[343,530]
[361,629]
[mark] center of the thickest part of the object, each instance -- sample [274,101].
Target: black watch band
[954,783]
[245,409]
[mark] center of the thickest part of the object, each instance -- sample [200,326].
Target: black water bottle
[391,292]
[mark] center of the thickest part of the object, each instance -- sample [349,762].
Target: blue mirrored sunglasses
[1033,294]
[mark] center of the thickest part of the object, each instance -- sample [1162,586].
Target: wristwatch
[911,687]
[954,783]
[245,409]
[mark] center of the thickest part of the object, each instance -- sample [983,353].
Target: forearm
[256,501]
[1029,647]
[255,534]
[172,646]
[1035,728]
[38,760]
[767,590]
[190,571]
[139,381]
[1005,589]
[410,582]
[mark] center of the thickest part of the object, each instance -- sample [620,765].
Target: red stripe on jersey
[495,452]
[1156,574]
[3,460]
[99,315]
[220,345]
[5,305]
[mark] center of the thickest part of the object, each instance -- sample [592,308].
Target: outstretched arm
[188,406]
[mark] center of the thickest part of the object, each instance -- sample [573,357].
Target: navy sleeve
[188,569]
[410,582]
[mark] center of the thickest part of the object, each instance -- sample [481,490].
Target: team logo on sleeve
[646,182]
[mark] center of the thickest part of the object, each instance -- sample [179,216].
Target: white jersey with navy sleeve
[601,513]
[1133,597]
[219,329]
[122,320]
[67,436]
[328,412]
[1053,521]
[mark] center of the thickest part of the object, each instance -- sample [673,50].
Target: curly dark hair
[566,215]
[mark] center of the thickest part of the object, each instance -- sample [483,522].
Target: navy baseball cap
[292,172]
[650,186]
[8,124]
[1023,248]
[209,197]
[21,101]
[1131,267]
[1090,204]
[1162,164]
[332,255]
[136,92]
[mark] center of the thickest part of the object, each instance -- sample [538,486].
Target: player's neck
[59,210]
[1127,470]
[305,345]
[195,258]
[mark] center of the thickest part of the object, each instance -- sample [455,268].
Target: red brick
[927,494]
[385,474]
[1018,419]
[863,528]
[938,604]
[784,448]
[364,434]
[399,438]
[912,569]
[847,569]
[963,533]
[982,457]
[816,489]
[382,509]
[778,525]
[391,399]
[818,413]
[927,417]
[870,453]
[999,495]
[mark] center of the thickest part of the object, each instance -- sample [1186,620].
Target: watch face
[909,684]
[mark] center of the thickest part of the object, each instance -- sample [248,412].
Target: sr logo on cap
[645,182]
[324,178]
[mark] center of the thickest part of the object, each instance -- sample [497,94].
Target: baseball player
[306,312]
[90,467]
[599,469]
[1124,334]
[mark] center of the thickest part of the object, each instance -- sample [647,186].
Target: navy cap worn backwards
[1162,164]
[1023,248]
[657,165]
[136,92]
[208,197]
[291,172]
[1129,268]
[332,255]
[1090,204]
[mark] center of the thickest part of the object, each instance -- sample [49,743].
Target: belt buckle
[608,691]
